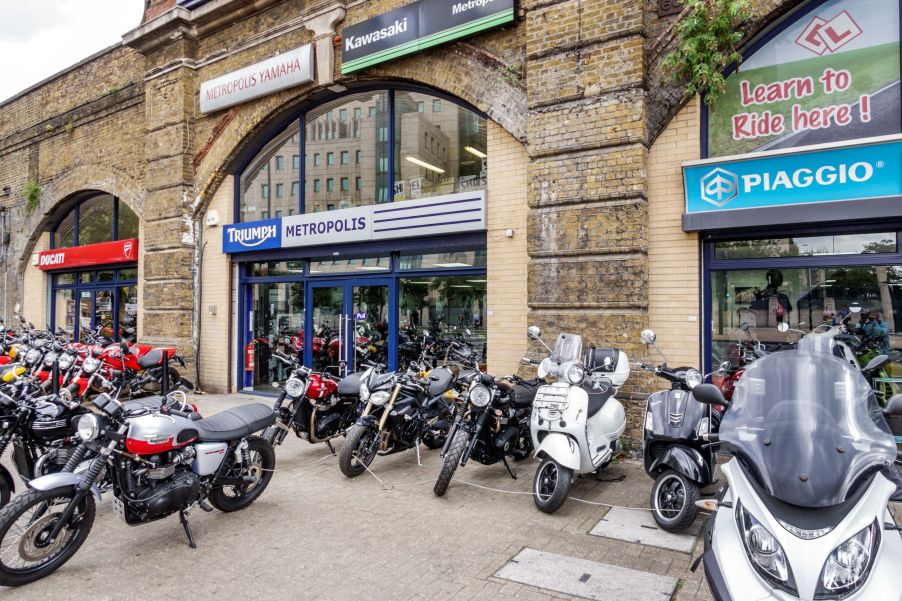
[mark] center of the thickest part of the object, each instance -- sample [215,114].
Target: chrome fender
[561,448]
[51,481]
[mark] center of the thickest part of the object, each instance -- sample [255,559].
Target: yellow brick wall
[507,257]
[215,372]
[35,288]
[673,255]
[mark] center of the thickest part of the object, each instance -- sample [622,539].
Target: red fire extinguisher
[249,356]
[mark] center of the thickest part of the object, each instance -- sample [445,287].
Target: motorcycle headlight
[575,373]
[32,356]
[49,358]
[848,565]
[766,554]
[88,427]
[90,365]
[480,396]
[693,378]
[66,361]
[364,391]
[379,398]
[294,387]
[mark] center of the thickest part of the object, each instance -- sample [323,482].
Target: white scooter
[805,514]
[576,422]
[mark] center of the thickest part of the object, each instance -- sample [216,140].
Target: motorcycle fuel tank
[156,433]
[320,387]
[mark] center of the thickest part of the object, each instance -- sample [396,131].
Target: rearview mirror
[894,406]
[533,332]
[709,394]
[855,308]
[783,327]
[725,366]
[525,361]
[875,364]
[468,332]
[647,337]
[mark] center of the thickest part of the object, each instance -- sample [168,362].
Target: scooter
[674,443]
[805,512]
[576,422]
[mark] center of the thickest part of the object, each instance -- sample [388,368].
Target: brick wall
[507,257]
[673,255]
[155,8]
[35,288]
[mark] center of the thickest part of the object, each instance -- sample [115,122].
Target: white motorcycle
[805,514]
[576,422]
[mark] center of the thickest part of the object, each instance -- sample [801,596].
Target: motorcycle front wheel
[673,498]
[551,485]
[25,553]
[259,471]
[357,451]
[451,461]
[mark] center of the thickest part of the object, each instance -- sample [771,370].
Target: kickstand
[329,444]
[183,518]
[509,470]
[418,452]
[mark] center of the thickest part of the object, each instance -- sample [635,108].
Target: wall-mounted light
[475,152]
[509,233]
[424,164]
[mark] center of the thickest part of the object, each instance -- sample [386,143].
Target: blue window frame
[86,289]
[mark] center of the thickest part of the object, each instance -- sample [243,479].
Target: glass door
[327,332]
[369,320]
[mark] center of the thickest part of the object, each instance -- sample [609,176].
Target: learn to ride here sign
[831,76]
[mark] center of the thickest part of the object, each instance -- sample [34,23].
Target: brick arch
[459,70]
[666,98]
[61,189]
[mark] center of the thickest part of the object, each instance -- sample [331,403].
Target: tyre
[273,435]
[260,469]
[452,460]
[355,454]
[551,485]
[6,490]
[672,501]
[24,524]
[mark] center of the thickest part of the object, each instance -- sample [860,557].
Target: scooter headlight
[693,378]
[294,387]
[90,365]
[649,421]
[848,565]
[480,396]
[364,391]
[88,427]
[766,554]
[575,373]
[379,398]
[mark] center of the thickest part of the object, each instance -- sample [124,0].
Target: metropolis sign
[452,213]
[286,70]
[416,27]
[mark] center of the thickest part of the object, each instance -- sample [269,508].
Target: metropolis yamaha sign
[785,186]
[452,213]
[280,72]
[418,26]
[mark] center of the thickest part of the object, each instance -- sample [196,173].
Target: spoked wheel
[551,485]
[358,450]
[26,552]
[257,472]
[673,498]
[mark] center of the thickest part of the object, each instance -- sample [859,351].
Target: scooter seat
[235,423]
[598,397]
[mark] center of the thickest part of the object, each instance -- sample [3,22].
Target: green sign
[418,26]
[831,76]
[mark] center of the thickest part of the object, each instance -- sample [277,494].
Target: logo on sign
[353,42]
[360,316]
[127,249]
[50,259]
[821,35]
[253,236]
[720,186]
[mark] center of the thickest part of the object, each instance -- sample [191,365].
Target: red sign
[105,253]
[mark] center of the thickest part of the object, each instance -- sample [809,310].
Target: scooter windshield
[808,427]
[569,347]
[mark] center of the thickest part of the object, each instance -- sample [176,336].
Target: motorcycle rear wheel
[263,462]
[672,501]
[24,555]
[451,461]
[551,486]
[353,458]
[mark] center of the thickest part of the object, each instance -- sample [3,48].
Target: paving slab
[640,527]
[584,578]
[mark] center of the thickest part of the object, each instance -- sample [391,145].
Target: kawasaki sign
[418,26]
[867,170]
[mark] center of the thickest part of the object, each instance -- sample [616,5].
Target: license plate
[119,508]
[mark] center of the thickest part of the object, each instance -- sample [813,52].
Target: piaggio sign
[105,253]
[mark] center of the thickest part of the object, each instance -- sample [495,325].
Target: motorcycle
[675,448]
[159,461]
[576,423]
[805,511]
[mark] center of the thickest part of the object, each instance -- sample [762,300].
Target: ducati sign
[105,253]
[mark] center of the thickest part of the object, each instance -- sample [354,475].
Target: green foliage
[48,129]
[69,127]
[708,39]
[32,193]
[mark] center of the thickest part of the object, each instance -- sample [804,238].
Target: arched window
[95,219]
[365,148]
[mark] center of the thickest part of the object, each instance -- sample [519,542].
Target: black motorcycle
[401,411]
[490,425]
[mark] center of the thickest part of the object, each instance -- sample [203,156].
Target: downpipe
[199,246]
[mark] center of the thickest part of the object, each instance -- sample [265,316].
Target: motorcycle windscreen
[569,347]
[808,426]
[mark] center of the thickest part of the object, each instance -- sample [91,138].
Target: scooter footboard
[560,447]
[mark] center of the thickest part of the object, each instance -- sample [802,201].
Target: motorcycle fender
[51,481]
[561,448]
[368,421]
[688,462]
[8,479]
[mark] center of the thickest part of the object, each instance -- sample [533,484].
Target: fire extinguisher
[249,356]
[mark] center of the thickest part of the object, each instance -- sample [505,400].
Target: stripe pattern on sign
[458,212]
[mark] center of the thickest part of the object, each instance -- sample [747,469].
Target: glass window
[106,276]
[128,313]
[86,277]
[64,235]
[65,279]
[436,106]
[265,172]
[280,190]
[128,275]
[295,187]
[806,298]
[345,187]
[296,161]
[342,114]
[277,268]
[357,184]
[364,265]
[128,222]
[95,220]
[64,311]
[362,141]
[446,306]
[330,185]
[316,159]
[278,327]
[449,260]
[807,246]
[316,185]
[437,153]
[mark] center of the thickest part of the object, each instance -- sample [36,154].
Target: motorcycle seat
[151,359]
[235,423]
[597,398]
